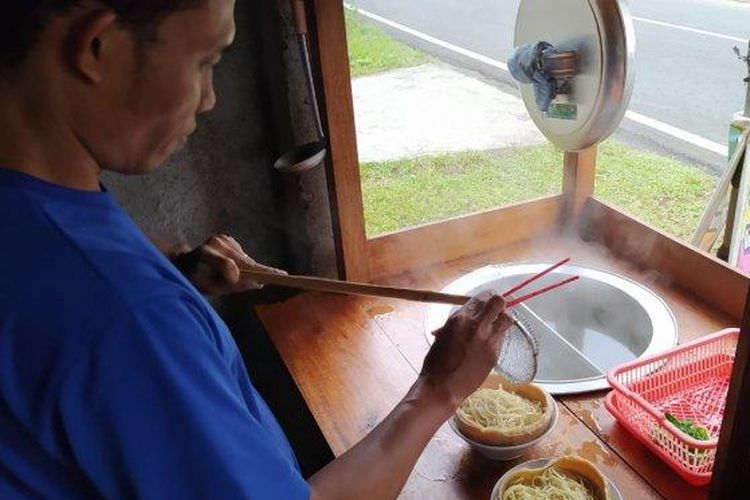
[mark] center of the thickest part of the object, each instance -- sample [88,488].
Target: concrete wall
[224,180]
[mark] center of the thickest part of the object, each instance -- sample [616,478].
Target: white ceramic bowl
[614,493]
[506,452]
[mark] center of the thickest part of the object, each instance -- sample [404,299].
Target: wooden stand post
[343,180]
[578,181]
[731,478]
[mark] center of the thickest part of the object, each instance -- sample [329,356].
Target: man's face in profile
[146,106]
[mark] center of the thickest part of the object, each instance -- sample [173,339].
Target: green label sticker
[562,111]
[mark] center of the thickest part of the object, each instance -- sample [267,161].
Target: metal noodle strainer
[519,352]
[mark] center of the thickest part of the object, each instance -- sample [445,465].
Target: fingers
[483,309]
[499,327]
[492,310]
[257,266]
[220,263]
[232,242]
[476,317]
[475,305]
[230,249]
[233,247]
[467,316]
[503,322]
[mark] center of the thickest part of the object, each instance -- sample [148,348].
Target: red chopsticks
[518,300]
[541,291]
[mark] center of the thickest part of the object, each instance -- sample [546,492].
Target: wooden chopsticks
[415,295]
[351,288]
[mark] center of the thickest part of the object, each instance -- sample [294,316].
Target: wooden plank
[732,467]
[579,174]
[349,373]
[345,188]
[712,280]
[590,410]
[462,236]
[351,376]
[450,470]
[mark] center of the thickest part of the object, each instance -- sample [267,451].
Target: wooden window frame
[363,259]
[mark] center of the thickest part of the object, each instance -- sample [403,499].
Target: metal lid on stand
[601,34]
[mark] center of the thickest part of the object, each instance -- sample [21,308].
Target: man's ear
[90,42]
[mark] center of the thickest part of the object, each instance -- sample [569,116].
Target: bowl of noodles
[565,478]
[502,421]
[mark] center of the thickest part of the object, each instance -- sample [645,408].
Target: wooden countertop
[353,358]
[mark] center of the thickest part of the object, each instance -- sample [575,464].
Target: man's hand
[214,267]
[466,348]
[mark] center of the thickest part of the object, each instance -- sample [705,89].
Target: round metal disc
[601,32]
[579,330]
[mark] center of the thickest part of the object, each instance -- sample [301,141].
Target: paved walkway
[432,109]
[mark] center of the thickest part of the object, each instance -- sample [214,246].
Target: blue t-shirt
[117,379]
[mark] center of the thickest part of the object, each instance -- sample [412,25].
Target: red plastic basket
[689,381]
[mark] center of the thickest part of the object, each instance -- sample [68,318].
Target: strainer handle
[351,288]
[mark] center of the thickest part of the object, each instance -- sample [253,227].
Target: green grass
[659,190]
[372,51]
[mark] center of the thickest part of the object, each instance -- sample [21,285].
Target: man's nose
[208,99]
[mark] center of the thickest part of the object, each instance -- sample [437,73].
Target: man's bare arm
[465,350]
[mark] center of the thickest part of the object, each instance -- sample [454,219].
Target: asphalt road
[687,75]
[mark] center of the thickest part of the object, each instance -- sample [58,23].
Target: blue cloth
[117,379]
[525,65]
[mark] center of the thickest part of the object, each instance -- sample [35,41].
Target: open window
[591,204]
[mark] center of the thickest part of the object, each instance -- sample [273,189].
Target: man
[117,379]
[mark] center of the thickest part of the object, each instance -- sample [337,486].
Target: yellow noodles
[550,485]
[501,410]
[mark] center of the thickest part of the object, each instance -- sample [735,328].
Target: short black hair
[21,21]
